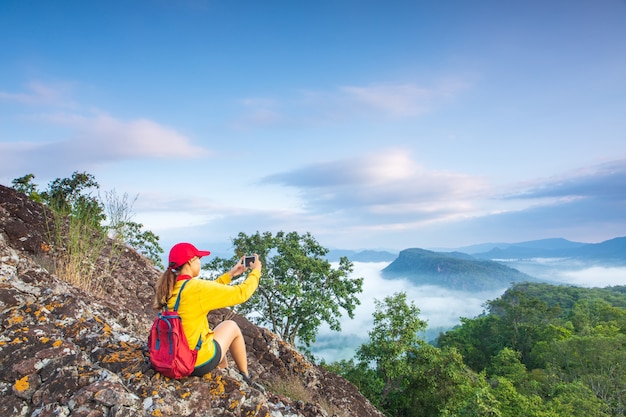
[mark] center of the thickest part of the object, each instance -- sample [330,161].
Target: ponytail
[163,289]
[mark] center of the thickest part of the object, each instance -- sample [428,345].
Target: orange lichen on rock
[15,319]
[22,384]
[218,387]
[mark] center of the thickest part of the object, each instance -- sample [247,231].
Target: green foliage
[26,185]
[571,339]
[76,229]
[73,197]
[299,289]
[541,351]
[392,341]
[441,385]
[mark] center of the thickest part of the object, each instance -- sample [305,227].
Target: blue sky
[372,125]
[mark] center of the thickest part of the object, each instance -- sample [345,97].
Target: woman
[199,298]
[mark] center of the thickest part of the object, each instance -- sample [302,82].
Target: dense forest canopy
[539,350]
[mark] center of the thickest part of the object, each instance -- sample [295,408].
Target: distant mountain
[611,251]
[454,270]
[551,243]
[361,256]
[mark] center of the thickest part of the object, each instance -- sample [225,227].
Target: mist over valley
[442,307]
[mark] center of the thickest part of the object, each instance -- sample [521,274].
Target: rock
[65,351]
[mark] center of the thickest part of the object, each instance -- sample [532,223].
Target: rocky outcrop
[66,352]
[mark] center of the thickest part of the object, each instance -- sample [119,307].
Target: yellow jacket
[201,296]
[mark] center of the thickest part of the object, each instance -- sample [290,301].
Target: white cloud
[106,135]
[95,140]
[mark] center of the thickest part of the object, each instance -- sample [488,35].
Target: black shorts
[207,367]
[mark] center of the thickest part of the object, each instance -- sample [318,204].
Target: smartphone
[247,260]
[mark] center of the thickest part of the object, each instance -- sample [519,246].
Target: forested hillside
[540,350]
[543,342]
[454,270]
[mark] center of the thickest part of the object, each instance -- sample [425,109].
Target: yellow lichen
[45,339]
[22,384]
[185,395]
[218,388]
[57,343]
[157,413]
[15,319]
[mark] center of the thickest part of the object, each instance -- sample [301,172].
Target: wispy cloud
[377,193]
[348,102]
[605,180]
[41,94]
[98,140]
[388,183]
[86,138]
[103,136]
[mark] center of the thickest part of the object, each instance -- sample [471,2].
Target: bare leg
[228,335]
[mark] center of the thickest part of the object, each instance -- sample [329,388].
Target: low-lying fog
[442,308]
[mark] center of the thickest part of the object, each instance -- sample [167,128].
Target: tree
[73,197]
[299,289]
[442,385]
[26,185]
[523,319]
[393,339]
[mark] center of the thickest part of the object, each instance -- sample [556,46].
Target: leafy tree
[477,339]
[523,318]
[598,361]
[73,197]
[442,385]
[576,399]
[26,185]
[299,289]
[392,341]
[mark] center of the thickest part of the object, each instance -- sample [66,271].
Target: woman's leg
[228,335]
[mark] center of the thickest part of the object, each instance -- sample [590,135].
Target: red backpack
[169,351]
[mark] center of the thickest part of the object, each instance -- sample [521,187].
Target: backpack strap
[176,305]
[178,297]
[179,293]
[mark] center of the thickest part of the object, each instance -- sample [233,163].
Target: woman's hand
[257,263]
[238,269]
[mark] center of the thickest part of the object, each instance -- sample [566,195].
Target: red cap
[182,253]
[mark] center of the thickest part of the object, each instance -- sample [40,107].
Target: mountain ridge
[611,250]
[454,270]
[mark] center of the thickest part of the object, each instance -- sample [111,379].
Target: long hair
[163,289]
